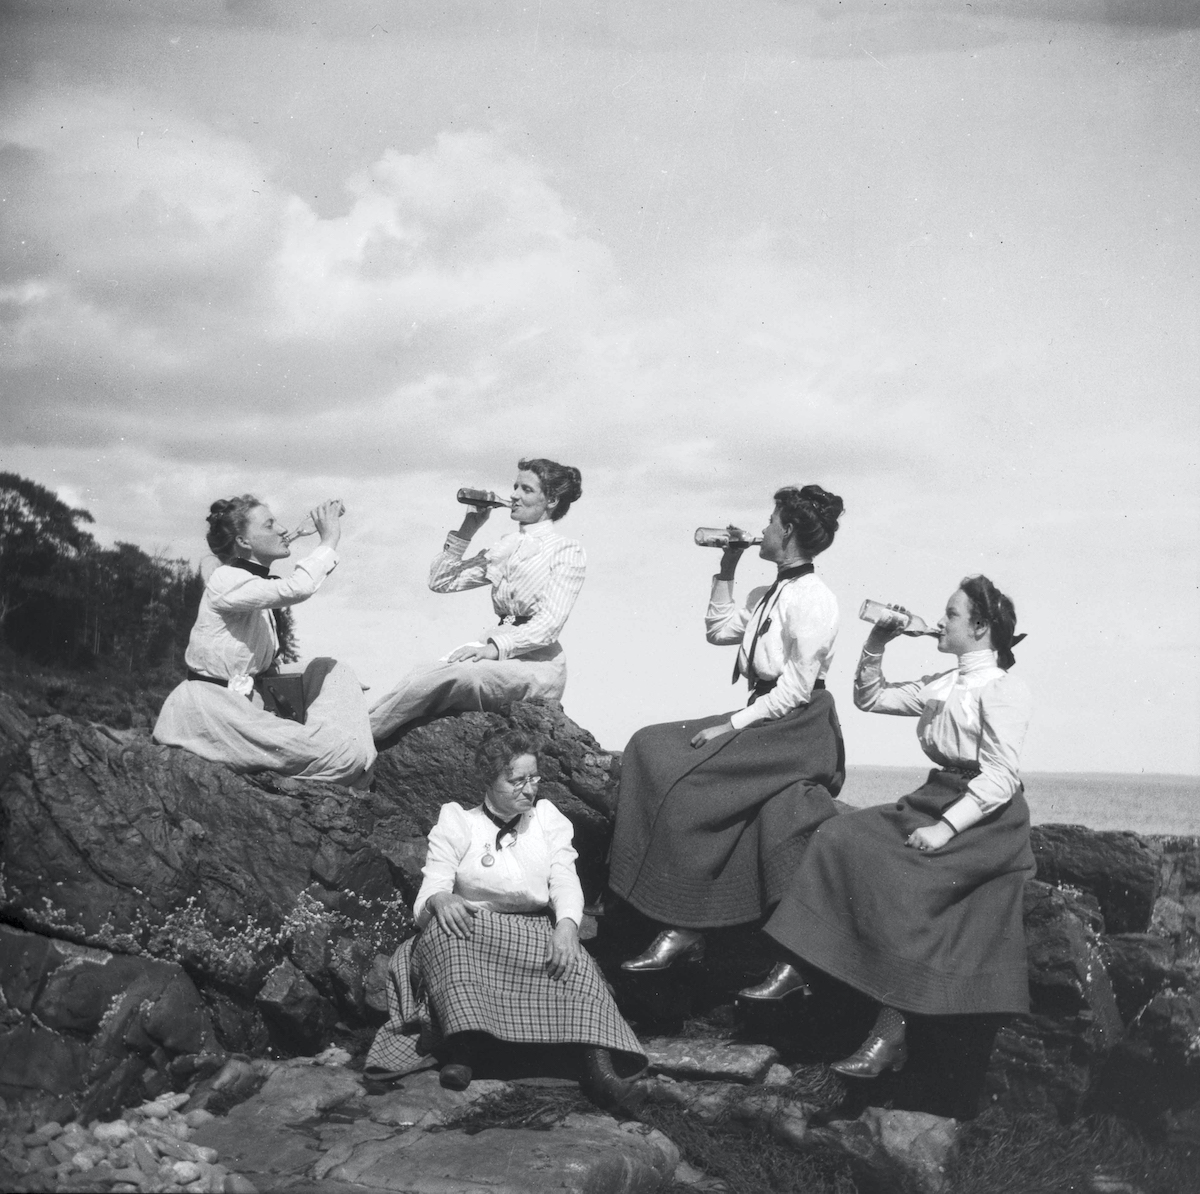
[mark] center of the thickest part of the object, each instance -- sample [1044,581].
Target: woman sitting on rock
[217,712]
[712,815]
[918,904]
[498,952]
[535,574]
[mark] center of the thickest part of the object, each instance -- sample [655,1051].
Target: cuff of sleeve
[748,716]
[570,910]
[455,544]
[964,813]
[322,552]
[502,643]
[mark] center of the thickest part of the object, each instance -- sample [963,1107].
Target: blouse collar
[538,529]
[250,566]
[976,661]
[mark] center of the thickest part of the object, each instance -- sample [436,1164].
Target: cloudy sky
[941,257]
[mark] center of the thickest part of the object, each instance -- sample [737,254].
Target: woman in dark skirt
[712,815]
[918,904]
[498,954]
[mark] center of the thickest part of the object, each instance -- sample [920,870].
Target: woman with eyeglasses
[713,815]
[498,953]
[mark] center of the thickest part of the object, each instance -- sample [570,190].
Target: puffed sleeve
[552,606]
[873,694]
[1005,708]
[724,621]
[808,628]
[449,841]
[566,894]
[450,573]
[232,589]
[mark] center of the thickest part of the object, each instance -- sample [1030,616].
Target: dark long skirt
[711,837]
[494,981]
[933,932]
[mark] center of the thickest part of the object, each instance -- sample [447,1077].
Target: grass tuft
[536,1107]
[1030,1154]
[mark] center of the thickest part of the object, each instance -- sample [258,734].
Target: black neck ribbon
[784,574]
[502,826]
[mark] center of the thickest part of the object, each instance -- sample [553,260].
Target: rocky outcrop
[86,1032]
[281,901]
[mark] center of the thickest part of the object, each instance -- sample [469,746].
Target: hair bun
[573,483]
[828,507]
[219,509]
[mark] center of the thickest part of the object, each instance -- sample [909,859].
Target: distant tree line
[64,599]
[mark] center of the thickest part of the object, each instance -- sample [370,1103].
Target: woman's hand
[732,554]
[327,518]
[882,633]
[704,737]
[474,652]
[453,913]
[930,837]
[473,519]
[563,957]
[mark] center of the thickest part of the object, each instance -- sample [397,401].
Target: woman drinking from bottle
[918,903]
[218,711]
[535,575]
[712,815]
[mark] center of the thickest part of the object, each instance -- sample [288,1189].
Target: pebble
[114,1132]
[185,1171]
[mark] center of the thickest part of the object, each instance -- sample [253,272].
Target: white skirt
[334,743]
[486,684]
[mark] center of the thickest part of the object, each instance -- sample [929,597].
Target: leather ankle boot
[671,945]
[456,1073]
[886,1048]
[599,1082]
[784,980]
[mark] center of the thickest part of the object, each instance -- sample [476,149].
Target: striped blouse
[534,572]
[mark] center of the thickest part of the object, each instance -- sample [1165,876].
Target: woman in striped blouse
[535,574]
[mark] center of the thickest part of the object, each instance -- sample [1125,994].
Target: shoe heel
[695,953]
[901,1059]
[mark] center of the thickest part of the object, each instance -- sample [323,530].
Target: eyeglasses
[526,781]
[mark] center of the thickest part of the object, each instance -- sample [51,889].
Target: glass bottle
[880,614]
[723,536]
[308,527]
[483,497]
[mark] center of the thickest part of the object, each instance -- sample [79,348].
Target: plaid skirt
[495,981]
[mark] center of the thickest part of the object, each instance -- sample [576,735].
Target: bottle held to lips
[722,537]
[308,527]
[483,497]
[910,624]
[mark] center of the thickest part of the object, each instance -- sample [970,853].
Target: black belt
[762,687]
[517,620]
[206,679]
[222,683]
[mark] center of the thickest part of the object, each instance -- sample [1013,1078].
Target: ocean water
[1100,800]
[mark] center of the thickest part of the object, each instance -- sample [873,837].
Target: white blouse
[234,636]
[795,649]
[534,572]
[973,718]
[530,874]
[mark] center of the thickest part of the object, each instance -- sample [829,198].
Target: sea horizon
[1143,802]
